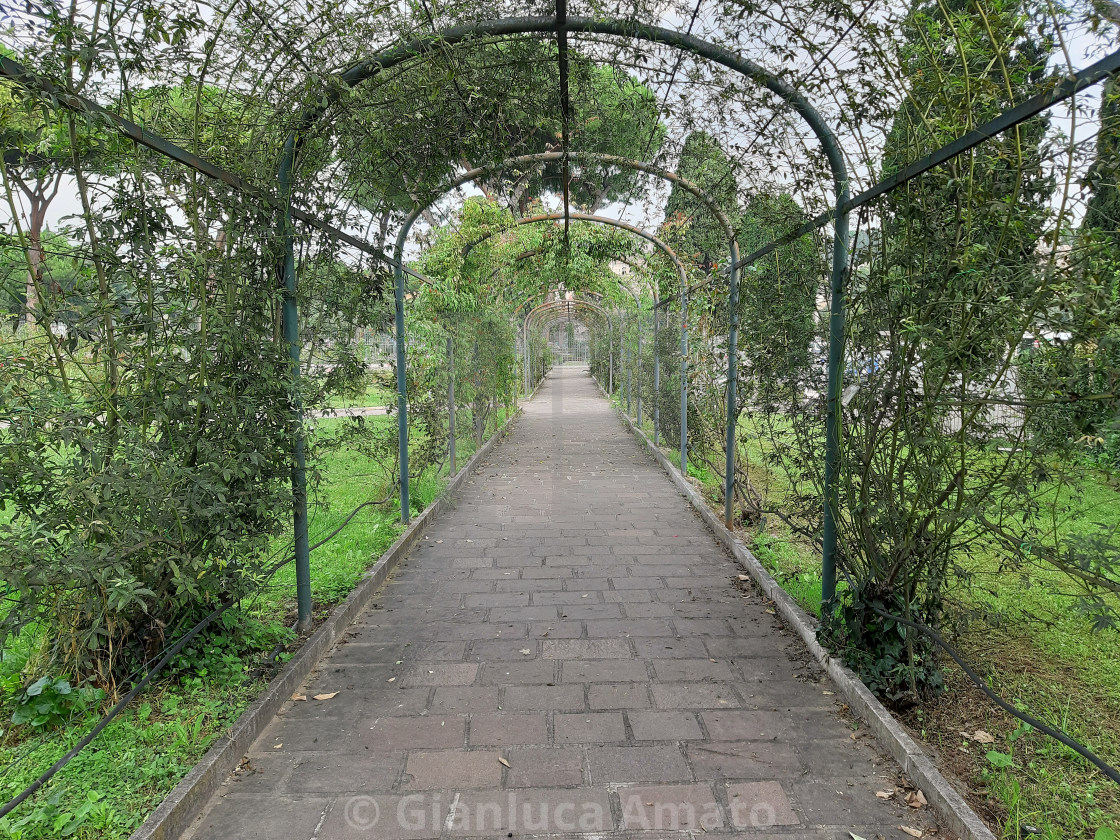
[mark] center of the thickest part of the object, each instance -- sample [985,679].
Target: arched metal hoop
[671,254]
[369,68]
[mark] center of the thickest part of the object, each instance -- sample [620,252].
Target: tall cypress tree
[1103,212]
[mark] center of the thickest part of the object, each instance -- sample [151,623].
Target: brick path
[565,654]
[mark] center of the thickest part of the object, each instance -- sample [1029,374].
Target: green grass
[135,762]
[373,395]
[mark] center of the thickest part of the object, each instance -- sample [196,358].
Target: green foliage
[48,703]
[59,817]
[701,239]
[893,660]
[224,653]
[1103,211]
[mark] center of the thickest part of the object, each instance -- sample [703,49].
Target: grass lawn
[109,789]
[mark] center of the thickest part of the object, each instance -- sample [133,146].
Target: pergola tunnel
[853,278]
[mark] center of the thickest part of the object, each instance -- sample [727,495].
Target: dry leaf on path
[525,651]
[884,794]
[916,800]
[298,696]
[913,832]
[330,696]
[855,836]
[278,746]
[503,762]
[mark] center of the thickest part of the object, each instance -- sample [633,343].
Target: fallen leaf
[298,696]
[913,832]
[916,800]
[829,693]
[884,794]
[744,577]
[503,762]
[982,737]
[525,651]
[392,679]
[330,696]
[855,836]
[854,736]
[278,746]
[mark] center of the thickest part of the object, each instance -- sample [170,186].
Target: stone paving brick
[759,805]
[465,699]
[744,760]
[576,671]
[589,728]
[530,672]
[664,726]
[694,696]
[452,769]
[672,670]
[619,696]
[621,765]
[544,697]
[502,729]
[585,649]
[440,673]
[544,767]
[569,542]
[532,811]
[745,726]
[670,647]
[409,733]
[670,809]
[626,627]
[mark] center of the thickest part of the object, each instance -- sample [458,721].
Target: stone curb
[950,807]
[184,804]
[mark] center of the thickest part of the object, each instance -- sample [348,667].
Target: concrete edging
[185,802]
[950,807]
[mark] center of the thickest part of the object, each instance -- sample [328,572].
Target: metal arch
[732,369]
[602,220]
[550,306]
[369,68]
[617,160]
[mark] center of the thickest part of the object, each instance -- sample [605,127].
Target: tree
[1103,211]
[934,323]
[701,238]
[484,104]
[35,152]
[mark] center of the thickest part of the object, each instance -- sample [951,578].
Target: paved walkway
[565,654]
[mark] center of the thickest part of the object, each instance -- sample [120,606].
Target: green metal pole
[832,414]
[732,386]
[610,359]
[684,378]
[639,391]
[629,362]
[451,403]
[656,378]
[402,378]
[299,463]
